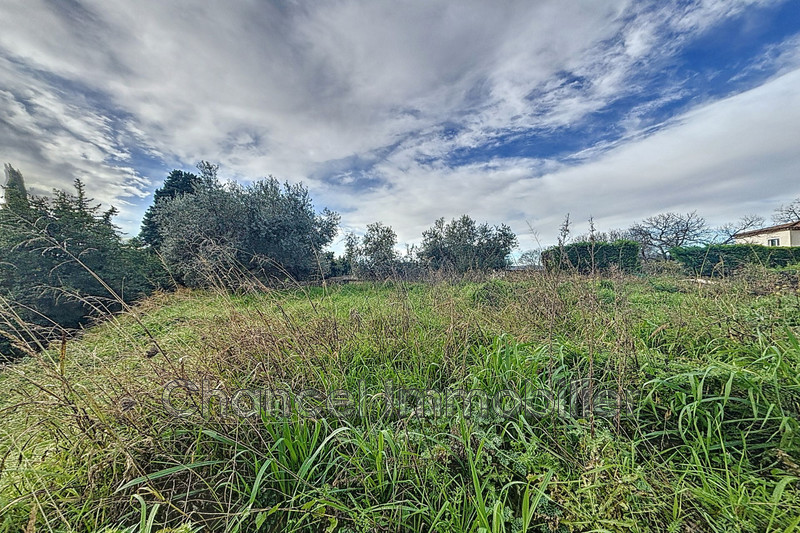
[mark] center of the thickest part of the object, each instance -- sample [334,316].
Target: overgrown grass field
[590,404]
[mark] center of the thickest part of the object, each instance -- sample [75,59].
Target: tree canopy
[374,256]
[267,228]
[462,245]
[54,252]
[178,183]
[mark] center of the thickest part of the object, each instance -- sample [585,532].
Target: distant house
[780,235]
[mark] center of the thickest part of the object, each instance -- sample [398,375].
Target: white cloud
[726,159]
[295,88]
[54,139]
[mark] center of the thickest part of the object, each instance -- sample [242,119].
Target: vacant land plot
[544,403]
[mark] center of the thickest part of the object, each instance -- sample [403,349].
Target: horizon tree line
[63,261]
[658,233]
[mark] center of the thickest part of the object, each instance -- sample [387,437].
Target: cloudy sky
[401,111]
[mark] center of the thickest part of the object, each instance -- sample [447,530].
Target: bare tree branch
[787,213]
[748,222]
[659,233]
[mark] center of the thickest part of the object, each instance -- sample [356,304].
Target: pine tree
[51,257]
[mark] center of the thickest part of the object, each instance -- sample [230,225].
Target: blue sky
[515,112]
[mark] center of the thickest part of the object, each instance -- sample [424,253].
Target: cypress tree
[16,195]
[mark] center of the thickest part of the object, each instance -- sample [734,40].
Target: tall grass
[655,404]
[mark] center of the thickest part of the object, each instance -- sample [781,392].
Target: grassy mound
[538,404]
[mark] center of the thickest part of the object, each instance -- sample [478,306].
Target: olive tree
[225,229]
[462,245]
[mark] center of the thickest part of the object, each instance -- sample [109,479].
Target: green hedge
[624,255]
[722,259]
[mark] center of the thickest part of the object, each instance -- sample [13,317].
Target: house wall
[788,237]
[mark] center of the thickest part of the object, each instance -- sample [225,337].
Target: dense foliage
[723,259]
[178,183]
[463,245]
[588,257]
[265,228]
[62,261]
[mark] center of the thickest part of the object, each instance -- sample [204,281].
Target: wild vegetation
[62,261]
[438,393]
[650,404]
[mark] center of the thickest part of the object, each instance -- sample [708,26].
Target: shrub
[224,231]
[586,257]
[724,259]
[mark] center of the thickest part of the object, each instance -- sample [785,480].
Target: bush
[492,293]
[228,232]
[724,259]
[586,257]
